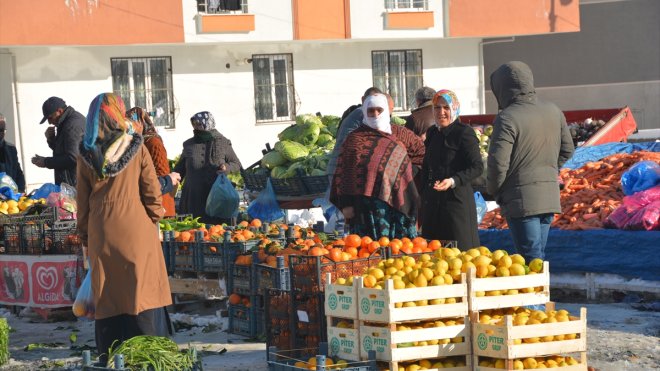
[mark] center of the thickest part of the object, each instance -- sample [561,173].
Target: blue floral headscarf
[451,99]
[203,121]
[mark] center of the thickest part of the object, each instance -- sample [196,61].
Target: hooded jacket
[70,130]
[530,142]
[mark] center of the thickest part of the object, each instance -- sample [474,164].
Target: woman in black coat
[451,162]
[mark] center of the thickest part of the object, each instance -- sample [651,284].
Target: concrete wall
[368,21]
[328,78]
[612,62]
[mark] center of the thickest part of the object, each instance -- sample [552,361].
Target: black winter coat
[452,214]
[11,166]
[65,146]
[198,166]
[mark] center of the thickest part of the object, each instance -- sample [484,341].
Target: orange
[366,240]
[244,224]
[185,236]
[234,299]
[315,251]
[352,240]
[419,243]
[395,246]
[335,254]
[364,253]
[255,223]
[375,245]
[351,250]
[434,245]
[407,247]
[383,241]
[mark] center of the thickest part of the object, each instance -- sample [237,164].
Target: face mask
[382,122]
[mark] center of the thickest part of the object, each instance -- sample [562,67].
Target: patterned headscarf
[451,99]
[203,121]
[140,116]
[105,120]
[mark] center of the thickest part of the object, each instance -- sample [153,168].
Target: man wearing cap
[64,142]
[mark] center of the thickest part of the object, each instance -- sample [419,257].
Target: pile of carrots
[590,193]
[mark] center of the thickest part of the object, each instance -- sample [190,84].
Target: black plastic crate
[293,186]
[182,256]
[309,324]
[242,320]
[12,238]
[240,279]
[278,317]
[267,277]
[254,182]
[33,239]
[216,256]
[308,272]
[316,184]
[65,239]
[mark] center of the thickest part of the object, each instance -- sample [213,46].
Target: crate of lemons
[12,207]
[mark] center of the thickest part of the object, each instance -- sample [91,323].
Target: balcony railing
[222,6]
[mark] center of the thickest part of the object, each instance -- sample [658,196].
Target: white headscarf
[382,122]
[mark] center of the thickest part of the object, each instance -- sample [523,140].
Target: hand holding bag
[222,201]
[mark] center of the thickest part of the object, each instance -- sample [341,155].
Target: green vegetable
[278,172]
[272,159]
[292,151]
[4,341]
[324,139]
[147,352]
[293,170]
[236,178]
[306,130]
[332,123]
[396,120]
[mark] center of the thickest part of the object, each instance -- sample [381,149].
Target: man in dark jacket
[421,118]
[70,126]
[9,158]
[530,142]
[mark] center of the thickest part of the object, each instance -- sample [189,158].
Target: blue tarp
[632,254]
[583,155]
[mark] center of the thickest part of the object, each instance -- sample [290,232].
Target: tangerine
[352,240]
[366,240]
[383,241]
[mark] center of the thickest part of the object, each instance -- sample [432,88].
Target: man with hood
[530,142]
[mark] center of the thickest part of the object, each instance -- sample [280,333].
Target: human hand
[175,177]
[443,185]
[349,212]
[222,168]
[50,132]
[39,161]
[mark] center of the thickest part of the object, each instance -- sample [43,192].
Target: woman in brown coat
[168,181]
[119,204]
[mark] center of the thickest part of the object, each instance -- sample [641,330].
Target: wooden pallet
[380,305]
[540,295]
[207,288]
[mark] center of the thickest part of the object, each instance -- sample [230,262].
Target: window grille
[406,4]
[399,73]
[274,95]
[222,6]
[146,83]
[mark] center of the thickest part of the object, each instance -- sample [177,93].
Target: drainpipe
[17,119]
[482,78]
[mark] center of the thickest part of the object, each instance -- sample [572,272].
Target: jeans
[530,234]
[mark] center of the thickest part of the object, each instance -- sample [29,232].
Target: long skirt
[376,219]
[112,331]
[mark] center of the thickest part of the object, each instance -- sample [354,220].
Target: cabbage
[272,159]
[396,120]
[292,151]
[332,123]
[324,139]
[308,118]
[278,172]
[306,132]
[293,170]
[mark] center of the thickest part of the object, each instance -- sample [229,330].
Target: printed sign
[39,281]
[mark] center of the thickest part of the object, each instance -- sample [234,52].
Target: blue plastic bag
[640,177]
[222,201]
[265,206]
[482,207]
[45,190]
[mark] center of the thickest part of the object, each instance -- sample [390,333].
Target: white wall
[272,18]
[328,78]
[368,21]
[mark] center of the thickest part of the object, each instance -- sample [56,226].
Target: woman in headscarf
[204,155]
[373,183]
[154,143]
[119,205]
[451,162]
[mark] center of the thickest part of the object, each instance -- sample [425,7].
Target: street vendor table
[290,202]
[40,281]
[631,254]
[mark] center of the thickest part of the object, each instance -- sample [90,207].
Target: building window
[274,95]
[406,4]
[146,83]
[222,6]
[399,73]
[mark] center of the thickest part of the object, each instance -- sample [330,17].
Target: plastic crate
[181,254]
[240,279]
[267,277]
[309,323]
[120,362]
[33,239]
[242,320]
[308,272]
[12,238]
[277,318]
[65,239]
[285,360]
[254,182]
[294,186]
[215,256]
[316,184]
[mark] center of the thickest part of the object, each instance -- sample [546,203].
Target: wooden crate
[379,305]
[344,342]
[497,341]
[394,365]
[341,300]
[387,341]
[508,365]
[475,285]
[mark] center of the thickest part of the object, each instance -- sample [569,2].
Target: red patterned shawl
[374,164]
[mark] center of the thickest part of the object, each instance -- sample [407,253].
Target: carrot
[589,216]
